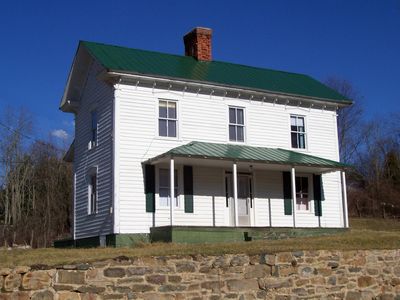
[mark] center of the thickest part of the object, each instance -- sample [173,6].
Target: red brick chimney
[198,43]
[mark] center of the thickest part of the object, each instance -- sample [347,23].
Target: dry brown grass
[365,234]
[375,224]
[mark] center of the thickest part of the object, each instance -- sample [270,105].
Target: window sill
[167,138]
[92,148]
[237,143]
[304,212]
[300,150]
[167,208]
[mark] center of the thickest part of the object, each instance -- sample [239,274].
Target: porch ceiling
[273,157]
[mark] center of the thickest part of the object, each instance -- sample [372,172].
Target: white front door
[244,201]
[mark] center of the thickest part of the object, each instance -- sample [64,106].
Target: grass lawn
[364,234]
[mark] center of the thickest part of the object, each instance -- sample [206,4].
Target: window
[92,189]
[302,200]
[93,138]
[167,118]
[164,191]
[298,132]
[236,124]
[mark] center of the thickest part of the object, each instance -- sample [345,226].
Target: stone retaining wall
[288,275]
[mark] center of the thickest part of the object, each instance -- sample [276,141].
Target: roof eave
[110,73]
[63,101]
[69,106]
[69,155]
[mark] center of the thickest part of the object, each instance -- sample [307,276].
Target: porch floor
[203,234]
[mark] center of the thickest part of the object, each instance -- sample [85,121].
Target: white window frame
[177,190]
[237,124]
[94,131]
[298,132]
[93,173]
[168,119]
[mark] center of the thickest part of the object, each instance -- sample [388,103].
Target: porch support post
[344,200]
[235,193]
[293,173]
[172,190]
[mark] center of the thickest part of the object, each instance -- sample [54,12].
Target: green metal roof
[250,154]
[115,58]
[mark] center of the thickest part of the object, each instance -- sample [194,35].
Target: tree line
[35,185]
[372,148]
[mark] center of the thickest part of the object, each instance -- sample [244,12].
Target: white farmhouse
[188,149]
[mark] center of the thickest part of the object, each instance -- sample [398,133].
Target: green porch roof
[250,154]
[141,62]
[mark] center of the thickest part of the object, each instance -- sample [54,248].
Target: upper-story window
[93,131]
[236,124]
[167,118]
[298,132]
[92,191]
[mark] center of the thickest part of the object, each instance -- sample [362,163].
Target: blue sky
[354,40]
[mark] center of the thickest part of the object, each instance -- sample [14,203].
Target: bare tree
[373,149]
[15,125]
[376,170]
[35,188]
[349,118]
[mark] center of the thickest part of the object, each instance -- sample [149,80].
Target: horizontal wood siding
[99,96]
[205,118]
[262,196]
[332,215]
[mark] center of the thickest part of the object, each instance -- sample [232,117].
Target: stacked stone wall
[287,275]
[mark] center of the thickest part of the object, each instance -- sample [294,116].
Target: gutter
[115,73]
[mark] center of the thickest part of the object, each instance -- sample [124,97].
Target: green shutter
[188,188]
[226,192]
[150,188]
[287,192]
[318,194]
[251,192]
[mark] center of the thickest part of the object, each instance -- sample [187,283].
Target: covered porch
[252,189]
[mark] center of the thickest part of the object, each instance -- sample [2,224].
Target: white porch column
[293,172]
[172,190]
[235,193]
[344,201]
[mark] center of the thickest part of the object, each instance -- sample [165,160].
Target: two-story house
[186,148]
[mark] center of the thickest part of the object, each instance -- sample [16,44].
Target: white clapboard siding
[205,118]
[262,198]
[268,125]
[333,201]
[96,95]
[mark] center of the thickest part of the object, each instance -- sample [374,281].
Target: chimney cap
[199,29]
